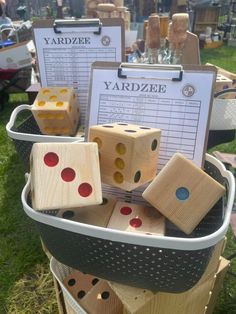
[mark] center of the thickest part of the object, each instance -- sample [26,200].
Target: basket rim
[167,242]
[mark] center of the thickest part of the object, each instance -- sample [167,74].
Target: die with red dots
[65,175]
[183,193]
[56,110]
[128,153]
[136,218]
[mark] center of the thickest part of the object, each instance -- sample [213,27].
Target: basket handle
[15,113]
[34,137]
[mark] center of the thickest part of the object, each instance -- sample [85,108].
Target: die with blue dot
[183,192]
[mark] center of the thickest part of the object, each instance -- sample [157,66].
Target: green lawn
[25,282]
[21,255]
[224,57]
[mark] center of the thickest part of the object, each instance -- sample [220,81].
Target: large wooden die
[101,299]
[183,192]
[128,153]
[65,175]
[97,215]
[56,110]
[136,218]
[93,294]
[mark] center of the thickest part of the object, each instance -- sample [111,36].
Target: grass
[224,57]
[34,293]
[25,281]
[20,248]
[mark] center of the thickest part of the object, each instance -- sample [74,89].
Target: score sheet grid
[177,119]
[71,67]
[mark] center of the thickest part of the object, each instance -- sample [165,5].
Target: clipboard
[67,48]
[177,99]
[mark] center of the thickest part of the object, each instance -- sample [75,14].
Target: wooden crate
[220,275]
[226,73]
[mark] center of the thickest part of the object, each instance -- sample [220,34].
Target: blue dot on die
[182,194]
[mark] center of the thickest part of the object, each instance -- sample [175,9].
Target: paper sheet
[65,59]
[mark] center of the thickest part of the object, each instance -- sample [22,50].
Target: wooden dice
[56,110]
[180,22]
[65,175]
[183,192]
[79,284]
[93,294]
[128,153]
[136,218]
[97,215]
[154,31]
[177,32]
[102,300]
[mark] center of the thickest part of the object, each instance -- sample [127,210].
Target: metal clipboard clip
[130,70]
[94,25]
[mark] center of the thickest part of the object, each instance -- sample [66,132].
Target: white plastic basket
[60,272]
[27,133]
[223,116]
[173,263]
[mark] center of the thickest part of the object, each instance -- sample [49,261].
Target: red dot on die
[51,159]
[135,222]
[85,189]
[68,174]
[126,210]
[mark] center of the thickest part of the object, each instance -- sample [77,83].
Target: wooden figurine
[56,110]
[128,153]
[177,35]
[180,22]
[136,218]
[154,31]
[97,215]
[104,10]
[65,175]
[153,38]
[183,192]
[79,284]
[102,300]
